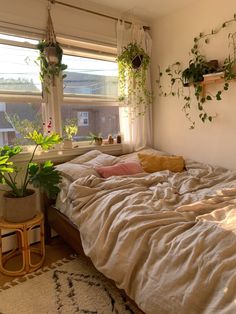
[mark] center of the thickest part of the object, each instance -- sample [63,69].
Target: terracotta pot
[19,209]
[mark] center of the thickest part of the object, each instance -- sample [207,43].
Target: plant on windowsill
[194,74]
[50,58]
[70,130]
[96,138]
[20,200]
[133,63]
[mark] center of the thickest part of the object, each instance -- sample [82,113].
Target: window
[20,90]
[100,119]
[90,95]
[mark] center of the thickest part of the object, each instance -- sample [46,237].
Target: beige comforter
[169,240]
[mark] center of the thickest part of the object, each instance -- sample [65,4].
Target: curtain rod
[92,12]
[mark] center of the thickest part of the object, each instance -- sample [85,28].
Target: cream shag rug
[68,286]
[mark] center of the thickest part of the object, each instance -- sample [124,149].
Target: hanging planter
[133,63]
[50,56]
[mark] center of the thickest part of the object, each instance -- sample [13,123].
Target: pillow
[120,169]
[102,160]
[73,171]
[153,162]
[86,157]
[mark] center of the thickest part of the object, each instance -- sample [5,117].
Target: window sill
[61,155]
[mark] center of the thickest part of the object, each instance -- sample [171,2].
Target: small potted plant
[20,199]
[96,138]
[70,130]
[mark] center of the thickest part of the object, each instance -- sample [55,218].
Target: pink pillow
[120,169]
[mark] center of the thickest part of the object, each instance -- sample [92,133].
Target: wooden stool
[22,231]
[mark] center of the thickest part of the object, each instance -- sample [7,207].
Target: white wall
[172,40]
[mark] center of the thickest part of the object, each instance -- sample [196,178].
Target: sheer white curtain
[137,132]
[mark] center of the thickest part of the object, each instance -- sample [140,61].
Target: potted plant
[50,57]
[133,63]
[70,130]
[96,138]
[20,200]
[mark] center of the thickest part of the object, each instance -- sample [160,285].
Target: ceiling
[145,9]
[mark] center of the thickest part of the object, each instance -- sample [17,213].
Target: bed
[167,238]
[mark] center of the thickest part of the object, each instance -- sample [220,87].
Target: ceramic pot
[67,144]
[137,61]
[19,209]
[51,54]
[98,141]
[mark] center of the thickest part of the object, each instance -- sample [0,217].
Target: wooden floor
[55,251]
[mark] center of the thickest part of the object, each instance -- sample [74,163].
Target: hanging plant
[194,74]
[133,63]
[50,58]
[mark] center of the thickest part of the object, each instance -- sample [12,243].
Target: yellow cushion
[153,162]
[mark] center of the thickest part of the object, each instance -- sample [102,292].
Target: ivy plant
[133,63]
[48,71]
[181,80]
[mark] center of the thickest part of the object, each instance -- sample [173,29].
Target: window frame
[91,50]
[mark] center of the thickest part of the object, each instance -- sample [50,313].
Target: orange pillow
[153,162]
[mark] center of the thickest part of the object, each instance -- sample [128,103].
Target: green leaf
[10,151]
[210,118]
[209,97]
[45,141]
[5,165]
[46,177]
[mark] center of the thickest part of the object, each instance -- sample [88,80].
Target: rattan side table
[24,249]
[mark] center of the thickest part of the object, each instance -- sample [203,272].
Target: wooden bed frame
[57,221]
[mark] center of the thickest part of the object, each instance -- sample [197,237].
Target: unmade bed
[167,238]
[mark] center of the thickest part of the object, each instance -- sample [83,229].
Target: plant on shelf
[96,138]
[50,57]
[43,176]
[133,63]
[182,80]
[70,130]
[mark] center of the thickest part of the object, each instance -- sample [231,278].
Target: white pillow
[102,160]
[75,171]
[86,157]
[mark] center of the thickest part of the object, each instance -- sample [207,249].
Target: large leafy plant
[43,176]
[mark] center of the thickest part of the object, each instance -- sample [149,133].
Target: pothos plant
[182,80]
[133,63]
[50,69]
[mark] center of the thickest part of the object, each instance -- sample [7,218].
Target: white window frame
[55,98]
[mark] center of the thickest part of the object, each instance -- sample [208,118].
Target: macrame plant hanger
[50,50]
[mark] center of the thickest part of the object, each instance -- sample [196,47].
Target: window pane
[16,120]
[19,72]
[90,77]
[91,118]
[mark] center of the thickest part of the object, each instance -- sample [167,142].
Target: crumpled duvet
[167,239]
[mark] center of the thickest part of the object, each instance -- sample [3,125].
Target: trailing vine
[48,70]
[133,63]
[181,80]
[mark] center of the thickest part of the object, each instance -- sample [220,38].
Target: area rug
[68,286]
